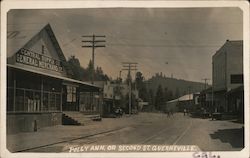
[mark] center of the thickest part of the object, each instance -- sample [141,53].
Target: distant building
[111,97]
[228,78]
[125,90]
[115,94]
[205,99]
[142,105]
[188,102]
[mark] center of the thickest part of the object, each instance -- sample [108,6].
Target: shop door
[70,99]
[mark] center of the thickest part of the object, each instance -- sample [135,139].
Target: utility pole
[205,80]
[129,66]
[212,97]
[93,42]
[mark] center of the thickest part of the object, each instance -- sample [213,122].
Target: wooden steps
[78,118]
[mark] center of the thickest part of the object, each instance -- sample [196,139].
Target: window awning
[83,85]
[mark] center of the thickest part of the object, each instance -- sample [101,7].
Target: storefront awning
[83,85]
[236,90]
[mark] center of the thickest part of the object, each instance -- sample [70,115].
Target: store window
[31,100]
[31,93]
[89,102]
[71,94]
[236,78]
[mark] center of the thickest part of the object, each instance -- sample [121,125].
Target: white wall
[234,63]
[227,61]
[219,70]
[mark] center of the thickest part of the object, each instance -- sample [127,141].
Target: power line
[162,45]
[205,80]
[93,42]
[129,66]
[163,39]
[27,23]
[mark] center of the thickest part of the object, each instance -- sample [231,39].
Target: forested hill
[177,86]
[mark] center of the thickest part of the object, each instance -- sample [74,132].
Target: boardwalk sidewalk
[62,133]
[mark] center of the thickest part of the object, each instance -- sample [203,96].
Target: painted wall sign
[31,58]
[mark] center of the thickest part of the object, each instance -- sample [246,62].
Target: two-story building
[228,78]
[115,94]
[39,90]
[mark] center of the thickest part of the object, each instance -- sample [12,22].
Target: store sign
[31,58]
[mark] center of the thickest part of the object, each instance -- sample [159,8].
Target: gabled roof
[19,36]
[184,97]
[172,101]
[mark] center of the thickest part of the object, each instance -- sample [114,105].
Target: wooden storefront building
[38,87]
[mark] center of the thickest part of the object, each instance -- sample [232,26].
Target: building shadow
[233,136]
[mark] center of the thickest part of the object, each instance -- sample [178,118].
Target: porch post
[61,98]
[14,99]
[41,108]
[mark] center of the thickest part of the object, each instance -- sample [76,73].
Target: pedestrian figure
[184,111]
[118,112]
[167,112]
[172,112]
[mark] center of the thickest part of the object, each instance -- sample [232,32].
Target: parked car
[216,116]
[134,111]
[118,112]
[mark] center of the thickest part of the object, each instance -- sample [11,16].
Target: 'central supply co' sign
[31,58]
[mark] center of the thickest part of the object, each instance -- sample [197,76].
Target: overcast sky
[184,38]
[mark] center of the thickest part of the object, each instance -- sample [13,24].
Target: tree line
[76,71]
[155,99]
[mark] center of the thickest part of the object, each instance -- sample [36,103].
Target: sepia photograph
[125,79]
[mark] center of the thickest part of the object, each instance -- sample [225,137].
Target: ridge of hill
[182,86]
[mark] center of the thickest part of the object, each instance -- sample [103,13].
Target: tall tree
[75,68]
[141,87]
[170,95]
[89,70]
[98,73]
[166,94]
[139,80]
[177,93]
[159,98]
[151,99]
